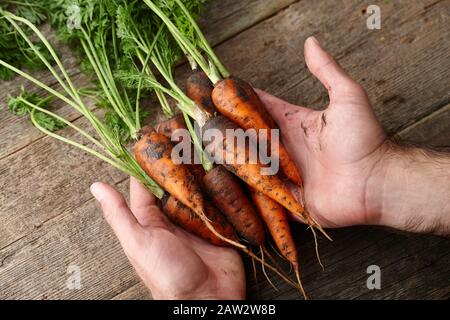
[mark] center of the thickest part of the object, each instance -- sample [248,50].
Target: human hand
[353,175]
[338,149]
[172,263]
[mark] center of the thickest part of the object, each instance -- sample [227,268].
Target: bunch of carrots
[132,52]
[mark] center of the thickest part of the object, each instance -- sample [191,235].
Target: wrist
[411,188]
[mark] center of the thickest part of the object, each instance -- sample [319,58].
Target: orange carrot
[153,153]
[189,221]
[270,185]
[237,100]
[228,195]
[199,89]
[168,127]
[275,218]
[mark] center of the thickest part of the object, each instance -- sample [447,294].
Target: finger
[115,210]
[143,205]
[323,66]
[280,110]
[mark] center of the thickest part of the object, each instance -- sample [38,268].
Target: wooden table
[49,220]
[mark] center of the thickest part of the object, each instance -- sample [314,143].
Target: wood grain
[432,131]
[41,184]
[137,292]
[228,18]
[48,220]
[401,65]
[36,266]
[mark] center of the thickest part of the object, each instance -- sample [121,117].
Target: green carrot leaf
[18,106]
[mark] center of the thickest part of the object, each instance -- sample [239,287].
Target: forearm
[414,191]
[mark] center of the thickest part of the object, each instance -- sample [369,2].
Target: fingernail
[96,191]
[314,40]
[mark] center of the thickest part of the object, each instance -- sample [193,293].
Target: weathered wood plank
[43,180]
[36,267]
[347,259]
[226,18]
[433,130]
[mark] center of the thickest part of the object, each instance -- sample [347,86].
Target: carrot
[255,101]
[199,89]
[270,185]
[189,221]
[168,127]
[227,193]
[153,153]
[237,100]
[275,218]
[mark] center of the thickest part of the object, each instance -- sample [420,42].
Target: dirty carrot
[153,153]
[226,192]
[189,221]
[167,128]
[275,218]
[270,185]
[237,101]
[199,89]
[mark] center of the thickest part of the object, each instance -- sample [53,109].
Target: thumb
[325,68]
[116,211]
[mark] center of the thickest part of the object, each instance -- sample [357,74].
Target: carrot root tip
[299,281]
[317,249]
[264,271]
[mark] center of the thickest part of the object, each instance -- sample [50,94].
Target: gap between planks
[250,26]
[445,106]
